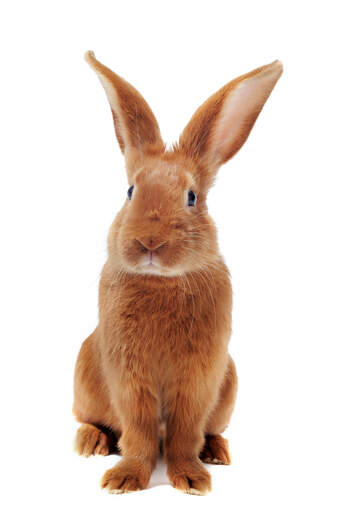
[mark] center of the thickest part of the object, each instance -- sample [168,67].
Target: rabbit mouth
[150,262]
[146,257]
[163,259]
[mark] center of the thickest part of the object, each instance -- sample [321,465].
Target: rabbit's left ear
[222,124]
[135,124]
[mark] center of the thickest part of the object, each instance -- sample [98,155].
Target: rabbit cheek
[133,252]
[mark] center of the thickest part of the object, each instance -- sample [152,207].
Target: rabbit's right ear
[136,128]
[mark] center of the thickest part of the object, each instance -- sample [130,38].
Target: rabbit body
[157,344]
[157,366]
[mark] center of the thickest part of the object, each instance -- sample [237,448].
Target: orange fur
[159,354]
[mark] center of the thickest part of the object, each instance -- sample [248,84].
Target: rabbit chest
[153,326]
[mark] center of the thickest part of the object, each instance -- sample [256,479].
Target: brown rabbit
[158,360]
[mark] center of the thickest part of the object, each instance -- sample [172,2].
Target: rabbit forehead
[165,174]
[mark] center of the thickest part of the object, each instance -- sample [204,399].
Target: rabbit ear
[222,124]
[135,125]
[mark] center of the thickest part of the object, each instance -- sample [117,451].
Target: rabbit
[157,365]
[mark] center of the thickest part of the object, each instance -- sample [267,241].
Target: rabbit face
[164,228]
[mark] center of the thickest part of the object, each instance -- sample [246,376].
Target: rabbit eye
[130,192]
[192,198]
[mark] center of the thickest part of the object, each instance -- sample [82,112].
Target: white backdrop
[276,204]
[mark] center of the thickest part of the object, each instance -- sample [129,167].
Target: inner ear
[240,110]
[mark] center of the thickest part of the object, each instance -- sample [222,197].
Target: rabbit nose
[150,243]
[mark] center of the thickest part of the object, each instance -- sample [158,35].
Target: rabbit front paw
[190,477]
[128,475]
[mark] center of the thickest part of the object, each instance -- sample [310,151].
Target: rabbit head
[164,227]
